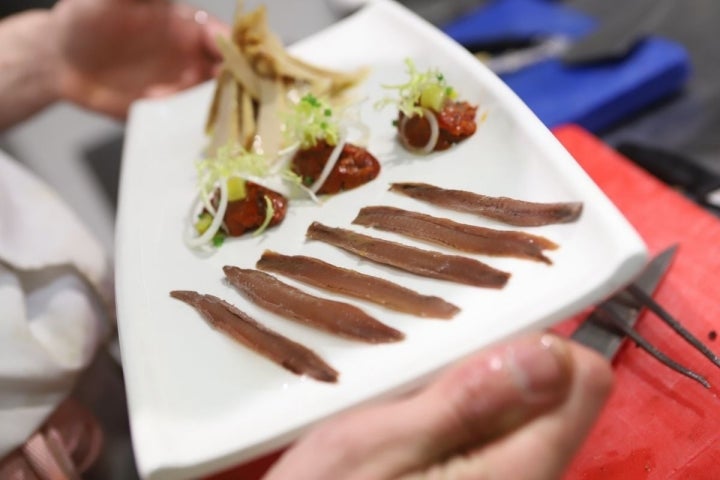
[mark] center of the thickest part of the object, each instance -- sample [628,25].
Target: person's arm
[103,54]
[27,62]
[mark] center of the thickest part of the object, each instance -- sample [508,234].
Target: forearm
[27,63]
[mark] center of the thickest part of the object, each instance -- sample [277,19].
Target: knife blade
[596,334]
[614,39]
[515,60]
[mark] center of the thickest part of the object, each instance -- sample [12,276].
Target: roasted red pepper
[456,122]
[355,167]
[249,212]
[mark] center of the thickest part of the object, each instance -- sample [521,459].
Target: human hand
[112,52]
[518,410]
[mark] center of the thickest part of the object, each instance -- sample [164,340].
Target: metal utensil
[619,34]
[595,334]
[678,170]
[613,40]
[613,320]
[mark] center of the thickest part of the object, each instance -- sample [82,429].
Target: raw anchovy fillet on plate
[349,282]
[241,327]
[426,263]
[331,316]
[460,236]
[503,209]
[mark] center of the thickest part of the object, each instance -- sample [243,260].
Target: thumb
[474,402]
[488,396]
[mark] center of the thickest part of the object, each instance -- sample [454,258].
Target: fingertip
[530,369]
[217,27]
[211,30]
[541,366]
[549,438]
[496,390]
[206,26]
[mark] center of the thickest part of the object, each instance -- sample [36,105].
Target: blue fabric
[507,20]
[596,96]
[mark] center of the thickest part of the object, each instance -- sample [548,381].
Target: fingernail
[540,367]
[200,17]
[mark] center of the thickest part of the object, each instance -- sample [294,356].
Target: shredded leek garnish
[428,89]
[226,172]
[295,179]
[432,138]
[212,230]
[328,167]
[310,120]
[292,177]
[232,160]
[269,212]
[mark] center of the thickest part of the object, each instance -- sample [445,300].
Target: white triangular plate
[199,402]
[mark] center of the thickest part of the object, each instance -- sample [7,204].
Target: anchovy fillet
[349,282]
[426,263]
[503,209]
[338,318]
[460,236]
[231,321]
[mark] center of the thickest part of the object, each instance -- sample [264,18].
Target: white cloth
[55,290]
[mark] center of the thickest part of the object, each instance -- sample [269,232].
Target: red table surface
[657,424]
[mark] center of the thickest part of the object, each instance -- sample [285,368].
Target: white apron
[55,290]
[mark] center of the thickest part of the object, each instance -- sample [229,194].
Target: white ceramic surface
[199,402]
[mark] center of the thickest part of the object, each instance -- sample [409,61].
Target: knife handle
[695,181]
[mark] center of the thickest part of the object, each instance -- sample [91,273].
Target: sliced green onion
[219,239]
